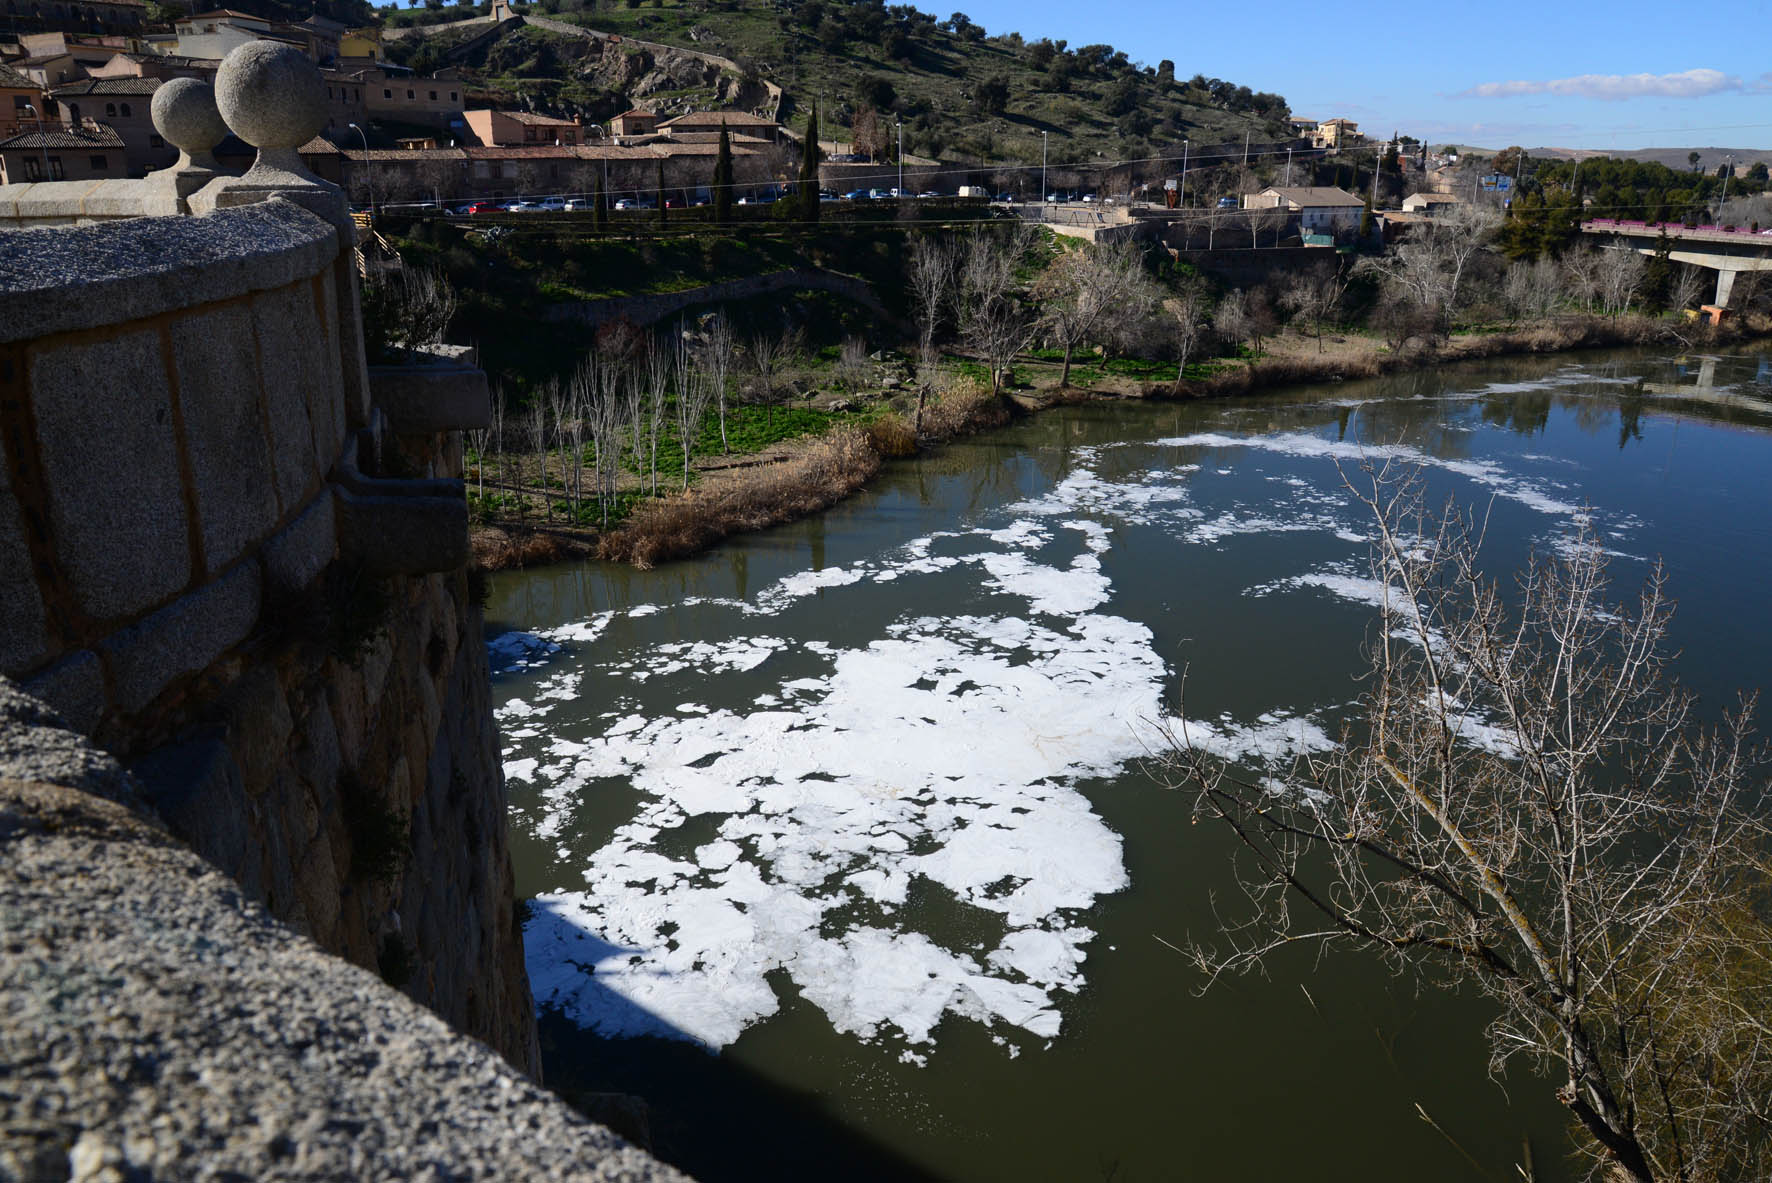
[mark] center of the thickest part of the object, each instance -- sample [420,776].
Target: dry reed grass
[964,406]
[891,436]
[672,527]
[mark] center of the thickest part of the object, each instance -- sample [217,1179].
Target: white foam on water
[1486,473]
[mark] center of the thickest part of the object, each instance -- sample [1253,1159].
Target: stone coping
[155,1023]
[68,279]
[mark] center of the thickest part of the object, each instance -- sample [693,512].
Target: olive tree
[1527,804]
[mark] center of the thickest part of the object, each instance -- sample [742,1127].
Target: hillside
[961,93]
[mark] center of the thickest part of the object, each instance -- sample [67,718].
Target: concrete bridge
[1728,252]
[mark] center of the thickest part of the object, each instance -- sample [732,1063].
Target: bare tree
[1688,286]
[1085,290]
[1618,276]
[993,320]
[1527,806]
[770,357]
[695,390]
[659,370]
[1533,290]
[1430,265]
[1187,312]
[1313,296]
[715,360]
[1581,275]
[1230,319]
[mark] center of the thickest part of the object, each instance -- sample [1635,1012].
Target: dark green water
[858,802]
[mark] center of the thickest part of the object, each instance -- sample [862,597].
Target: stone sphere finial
[185,114]
[271,95]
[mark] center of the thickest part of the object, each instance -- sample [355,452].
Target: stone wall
[156,1023]
[649,309]
[203,570]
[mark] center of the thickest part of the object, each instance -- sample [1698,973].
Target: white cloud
[1687,84]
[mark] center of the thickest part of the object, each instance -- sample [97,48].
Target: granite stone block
[302,549]
[70,278]
[197,790]
[224,431]
[23,636]
[182,638]
[75,688]
[284,329]
[110,460]
[439,396]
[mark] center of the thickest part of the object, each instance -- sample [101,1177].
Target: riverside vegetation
[645,443]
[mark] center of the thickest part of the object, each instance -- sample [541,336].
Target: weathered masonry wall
[233,560]
[156,1023]
[199,573]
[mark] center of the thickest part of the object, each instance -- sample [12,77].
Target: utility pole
[1245,147]
[1728,171]
[1042,170]
[1183,201]
[368,171]
[1288,167]
[899,124]
[42,140]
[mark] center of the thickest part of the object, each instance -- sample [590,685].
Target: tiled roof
[225,13]
[1317,196]
[530,117]
[98,136]
[10,77]
[104,86]
[725,118]
[636,113]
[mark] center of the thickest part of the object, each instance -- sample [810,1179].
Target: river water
[844,851]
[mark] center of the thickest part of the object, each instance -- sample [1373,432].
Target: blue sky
[1616,76]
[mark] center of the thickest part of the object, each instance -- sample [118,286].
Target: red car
[486,207]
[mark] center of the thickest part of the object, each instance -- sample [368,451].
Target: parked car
[857,195]
[486,207]
[627,203]
[578,204]
[827,195]
[881,194]
[1006,197]
[1227,203]
[1089,198]
[523,207]
[552,205]
[932,193]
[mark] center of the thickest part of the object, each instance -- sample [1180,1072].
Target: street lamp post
[1182,200]
[899,124]
[1728,171]
[1288,167]
[368,170]
[1042,170]
[42,139]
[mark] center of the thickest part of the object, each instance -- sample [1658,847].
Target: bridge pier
[1725,285]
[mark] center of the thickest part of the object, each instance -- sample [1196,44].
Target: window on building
[409,94]
[124,110]
[329,92]
[33,169]
[19,103]
[554,172]
[97,164]
[386,93]
[110,110]
[452,97]
[55,168]
[433,96]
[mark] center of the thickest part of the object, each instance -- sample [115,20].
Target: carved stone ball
[271,95]
[186,115]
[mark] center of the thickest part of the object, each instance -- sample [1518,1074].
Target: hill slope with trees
[960,92]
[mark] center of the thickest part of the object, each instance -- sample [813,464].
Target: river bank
[808,476]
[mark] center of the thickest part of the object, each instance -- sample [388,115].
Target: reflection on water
[840,836]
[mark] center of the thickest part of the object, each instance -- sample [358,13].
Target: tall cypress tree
[663,212]
[600,209]
[809,169]
[723,180]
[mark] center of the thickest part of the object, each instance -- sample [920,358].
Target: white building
[1319,210]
